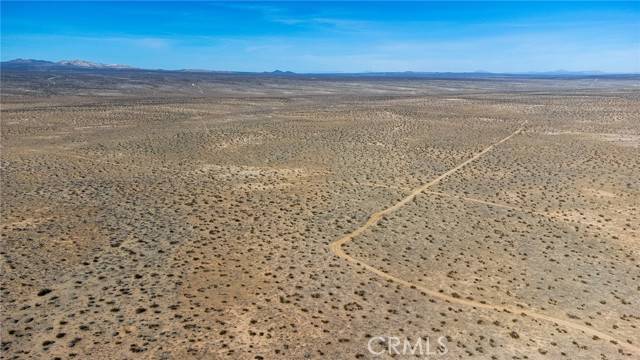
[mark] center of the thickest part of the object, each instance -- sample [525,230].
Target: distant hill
[84,65]
[89,64]
[26,64]
[280,72]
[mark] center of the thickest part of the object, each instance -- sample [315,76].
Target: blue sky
[330,36]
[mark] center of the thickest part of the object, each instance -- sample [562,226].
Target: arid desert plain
[167,215]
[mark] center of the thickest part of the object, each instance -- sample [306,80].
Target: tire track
[336,248]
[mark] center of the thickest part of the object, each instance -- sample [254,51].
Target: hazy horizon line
[337,72]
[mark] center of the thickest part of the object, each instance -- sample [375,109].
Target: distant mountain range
[43,64]
[31,64]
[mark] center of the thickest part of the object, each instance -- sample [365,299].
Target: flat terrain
[184,215]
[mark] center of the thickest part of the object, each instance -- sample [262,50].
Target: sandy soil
[263,218]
